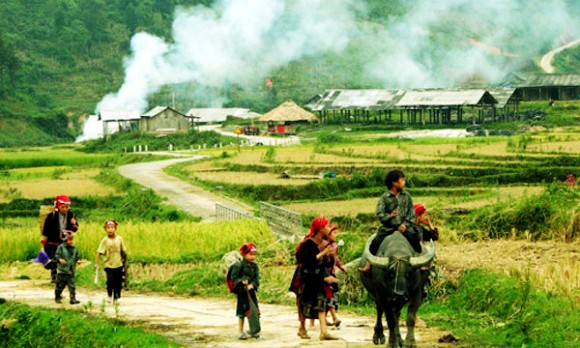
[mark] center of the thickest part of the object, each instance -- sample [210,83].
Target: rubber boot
[73,299]
[57,297]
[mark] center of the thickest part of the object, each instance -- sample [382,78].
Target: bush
[510,312]
[22,326]
[546,216]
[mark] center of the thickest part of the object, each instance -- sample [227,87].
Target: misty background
[240,43]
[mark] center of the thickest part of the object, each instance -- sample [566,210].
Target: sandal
[337,322]
[243,336]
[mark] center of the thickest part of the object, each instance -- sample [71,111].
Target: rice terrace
[193,127]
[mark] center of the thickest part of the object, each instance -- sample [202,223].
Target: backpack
[229,281]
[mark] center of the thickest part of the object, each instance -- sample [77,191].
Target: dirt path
[546,62]
[196,322]
[182,195]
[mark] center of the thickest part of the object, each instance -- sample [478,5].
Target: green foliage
[126,141]
[546,216]
[137,204]
[492,310]
[567,60]
[23,326]
[200,280]
[330,138]
[270,155]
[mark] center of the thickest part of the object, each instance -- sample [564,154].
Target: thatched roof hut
[288,112]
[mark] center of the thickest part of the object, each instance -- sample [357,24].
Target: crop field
[177,242]
[39,183]
[354,207]
[499,202]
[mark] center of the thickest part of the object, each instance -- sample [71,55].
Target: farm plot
[249,178]
[352,207]
[568,147]
[38,183]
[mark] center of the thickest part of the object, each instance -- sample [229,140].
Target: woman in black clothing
[313,275]
[57,225]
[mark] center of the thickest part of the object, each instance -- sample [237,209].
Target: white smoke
[431,45]
[239,41]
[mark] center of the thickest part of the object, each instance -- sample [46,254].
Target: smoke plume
[238,41]
[430,44]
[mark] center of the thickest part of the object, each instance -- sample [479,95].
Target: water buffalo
[395,279]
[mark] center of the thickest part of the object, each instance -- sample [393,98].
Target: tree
[8,67]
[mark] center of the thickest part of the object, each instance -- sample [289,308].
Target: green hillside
[59,58]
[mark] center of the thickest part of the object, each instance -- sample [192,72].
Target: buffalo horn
[374,260]
[425,259]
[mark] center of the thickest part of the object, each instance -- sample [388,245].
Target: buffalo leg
[411,315]
[393,323]
[379,335]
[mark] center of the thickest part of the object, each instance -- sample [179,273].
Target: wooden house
[163,119]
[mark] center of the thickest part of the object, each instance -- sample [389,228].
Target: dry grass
[356,206]
[350,207]
[78,183]
[500,194]
[249,178]
[568,147]
[307,155]
[552,266]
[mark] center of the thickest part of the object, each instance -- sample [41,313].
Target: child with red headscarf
[246,278]
[58,225]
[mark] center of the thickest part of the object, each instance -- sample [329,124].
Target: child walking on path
[67,257]
[246,278]
[57,225]
[113,251]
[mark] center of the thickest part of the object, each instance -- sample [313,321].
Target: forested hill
[59,58]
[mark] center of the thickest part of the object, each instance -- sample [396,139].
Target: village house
[164,119]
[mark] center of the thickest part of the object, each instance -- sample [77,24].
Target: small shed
[163,119]
[119,120]
[284,118]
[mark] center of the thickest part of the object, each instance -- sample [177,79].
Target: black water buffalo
[395,279]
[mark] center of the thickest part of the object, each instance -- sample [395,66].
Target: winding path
[546,62]
[187,197]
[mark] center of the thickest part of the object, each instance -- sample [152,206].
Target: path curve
[546,62]
[207,322]
[187,197]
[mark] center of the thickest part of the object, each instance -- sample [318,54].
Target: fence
[282,220]
[226,213]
